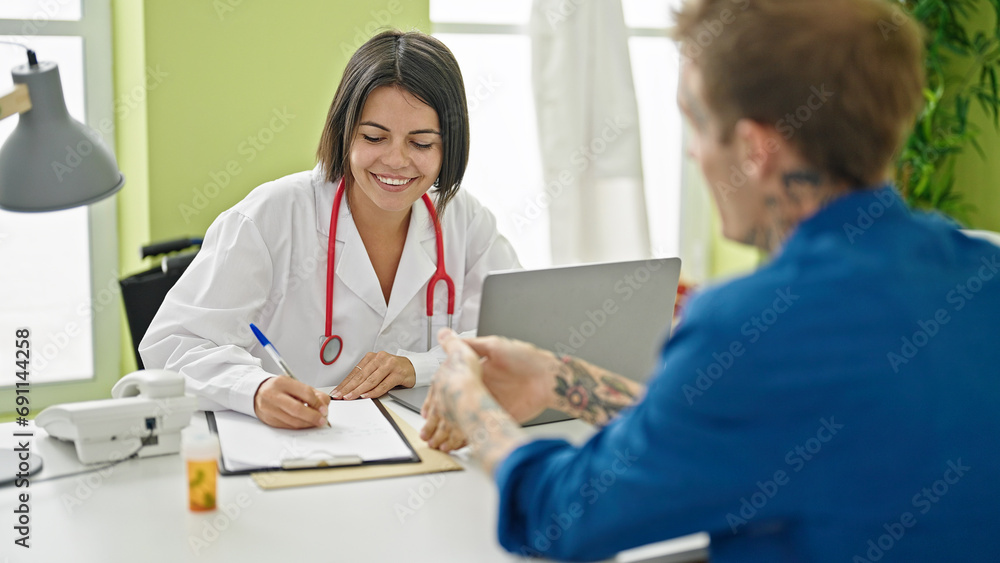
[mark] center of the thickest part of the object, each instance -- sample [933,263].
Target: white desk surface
[137,512]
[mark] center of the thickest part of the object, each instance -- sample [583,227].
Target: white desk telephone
[146,414]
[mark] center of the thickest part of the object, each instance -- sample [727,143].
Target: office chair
[143,293]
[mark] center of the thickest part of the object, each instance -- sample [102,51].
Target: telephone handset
[145,416]
[149,383]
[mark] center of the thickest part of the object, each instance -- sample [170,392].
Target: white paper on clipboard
[357,428]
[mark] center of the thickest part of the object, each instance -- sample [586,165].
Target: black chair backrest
[143,294]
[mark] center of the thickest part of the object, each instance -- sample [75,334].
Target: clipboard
[431,461]
[328,462]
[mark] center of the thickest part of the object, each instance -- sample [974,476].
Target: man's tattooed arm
[591,393]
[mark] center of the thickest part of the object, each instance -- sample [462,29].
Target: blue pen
[278,359]
[272,351]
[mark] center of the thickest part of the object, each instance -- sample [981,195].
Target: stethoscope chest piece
[330,348]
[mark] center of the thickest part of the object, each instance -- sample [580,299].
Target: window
[492,45]
[60,268]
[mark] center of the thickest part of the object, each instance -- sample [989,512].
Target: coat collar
[354,268]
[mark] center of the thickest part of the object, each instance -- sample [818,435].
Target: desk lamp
[50,162]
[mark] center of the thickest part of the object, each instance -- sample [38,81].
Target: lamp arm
[15,101]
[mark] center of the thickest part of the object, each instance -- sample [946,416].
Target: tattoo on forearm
[593,394]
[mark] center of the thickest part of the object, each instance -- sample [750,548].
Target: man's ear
[758,145]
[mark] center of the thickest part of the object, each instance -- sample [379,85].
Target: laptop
[615,315]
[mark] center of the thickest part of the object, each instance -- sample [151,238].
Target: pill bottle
[201,455]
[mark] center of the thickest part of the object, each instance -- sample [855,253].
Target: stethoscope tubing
[440,274]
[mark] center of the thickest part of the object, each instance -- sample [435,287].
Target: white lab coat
[264,261]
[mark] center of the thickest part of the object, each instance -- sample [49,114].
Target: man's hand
[438,432]
[283,402]
[459,376]
[375,375]
[520,376]
[460,406]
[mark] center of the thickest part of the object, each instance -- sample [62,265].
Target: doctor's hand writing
[375,375]
[284,402]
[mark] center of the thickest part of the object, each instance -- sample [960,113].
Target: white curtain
[588,131]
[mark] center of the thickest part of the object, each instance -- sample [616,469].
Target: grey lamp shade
[51,161]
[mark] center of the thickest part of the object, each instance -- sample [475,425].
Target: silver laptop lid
[614,315]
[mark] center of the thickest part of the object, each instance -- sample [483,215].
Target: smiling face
[396,153]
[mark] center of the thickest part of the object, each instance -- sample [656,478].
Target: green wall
[978,179]
[214,98]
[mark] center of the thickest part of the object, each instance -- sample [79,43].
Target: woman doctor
[397,128]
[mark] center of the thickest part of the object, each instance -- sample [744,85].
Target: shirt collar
[848,216]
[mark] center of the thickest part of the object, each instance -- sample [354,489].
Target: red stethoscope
[332,345]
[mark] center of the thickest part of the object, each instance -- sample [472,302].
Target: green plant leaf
[995,102]
[925,167]
[979,149]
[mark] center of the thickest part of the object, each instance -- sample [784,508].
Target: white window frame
[94,28]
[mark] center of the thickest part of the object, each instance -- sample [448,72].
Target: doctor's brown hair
[841,80]
[424,67]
